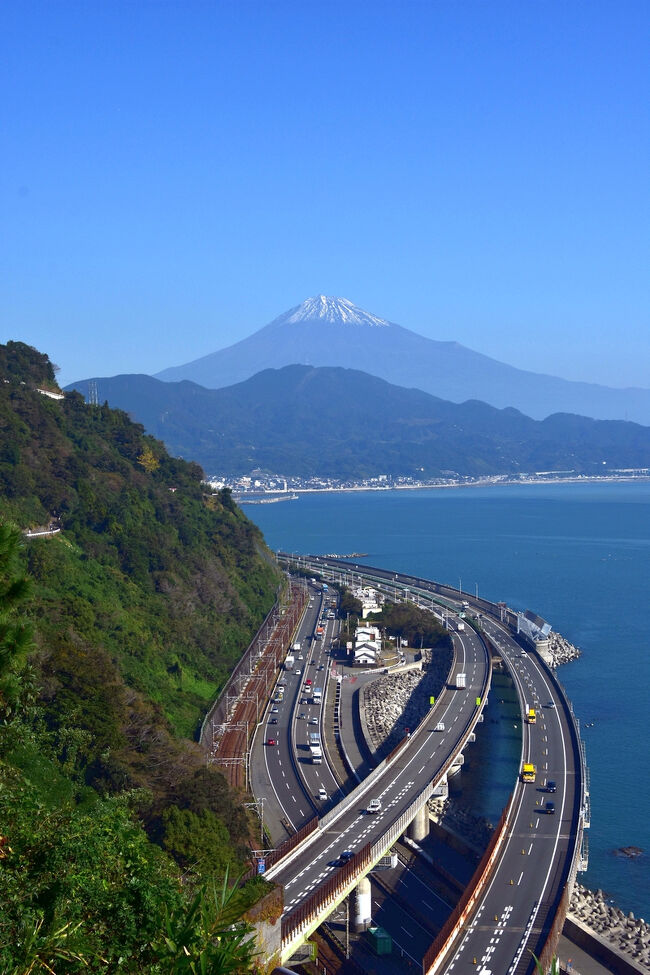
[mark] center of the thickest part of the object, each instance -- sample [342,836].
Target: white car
[440,726]
[313,720]
[374,806]
[322,794]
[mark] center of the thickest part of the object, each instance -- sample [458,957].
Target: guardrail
[303,916]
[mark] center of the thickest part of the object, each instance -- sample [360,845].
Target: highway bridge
[515,902]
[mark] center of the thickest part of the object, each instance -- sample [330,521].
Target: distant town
[259,487]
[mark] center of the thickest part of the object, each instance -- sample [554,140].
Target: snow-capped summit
[326,331]
[338,311]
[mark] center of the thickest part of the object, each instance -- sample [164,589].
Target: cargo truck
[528,772]
[316,754]
[296,648]
[460,627]
[461,681]
[289,661]
[318,695]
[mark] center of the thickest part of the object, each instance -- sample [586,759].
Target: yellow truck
[531,717]
[528,772]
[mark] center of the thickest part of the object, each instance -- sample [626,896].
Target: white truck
[461,681]
[318,695]
[296,648]
[460,626]
[316,754]
[289,661]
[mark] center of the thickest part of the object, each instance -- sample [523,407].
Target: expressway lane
[514,914]
[419,762]
[272,773]
[283,773]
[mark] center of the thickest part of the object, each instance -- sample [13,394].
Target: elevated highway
[516,902]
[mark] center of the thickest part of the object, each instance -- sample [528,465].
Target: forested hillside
[343,423]
[115,634]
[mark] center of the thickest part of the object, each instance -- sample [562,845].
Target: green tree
[198,840]
[209,937]
[15,632]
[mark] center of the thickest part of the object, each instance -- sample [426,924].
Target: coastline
[452,485]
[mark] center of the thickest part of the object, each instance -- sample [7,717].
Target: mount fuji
[328,331]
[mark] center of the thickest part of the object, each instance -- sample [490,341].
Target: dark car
[273,721]
[549,808]
[551,786]
[346,855]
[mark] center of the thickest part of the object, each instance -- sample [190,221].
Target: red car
[308,681]
[271,741]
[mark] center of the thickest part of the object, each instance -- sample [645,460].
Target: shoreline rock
[560,650]
[625,932]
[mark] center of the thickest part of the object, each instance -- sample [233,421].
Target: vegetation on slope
[115,633]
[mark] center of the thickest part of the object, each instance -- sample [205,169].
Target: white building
[371,600]
[365,654]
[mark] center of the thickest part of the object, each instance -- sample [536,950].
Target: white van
[374,806]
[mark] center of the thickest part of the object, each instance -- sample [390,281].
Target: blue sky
[175,175]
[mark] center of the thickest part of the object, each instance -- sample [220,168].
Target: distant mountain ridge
[329,331]
[343,423]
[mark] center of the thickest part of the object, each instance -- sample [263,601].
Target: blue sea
[576,554]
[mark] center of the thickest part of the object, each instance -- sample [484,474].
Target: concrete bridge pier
[362,905]
[419,828]
[455,776]
[459,761]
[441,791]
